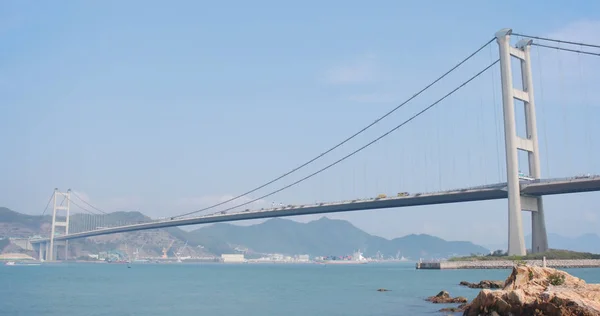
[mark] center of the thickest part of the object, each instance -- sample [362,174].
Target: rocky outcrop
[444,297]
[538,291]
[485,284]
[458,309]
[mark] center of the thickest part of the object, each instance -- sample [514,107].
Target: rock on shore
[485,284]
[538,291]
[444,297]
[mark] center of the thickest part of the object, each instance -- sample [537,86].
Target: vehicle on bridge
[523,176]
[381,196]
[401,194]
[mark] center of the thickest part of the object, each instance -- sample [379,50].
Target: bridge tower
[514,143]
[57,225]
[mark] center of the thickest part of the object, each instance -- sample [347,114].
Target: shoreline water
[507,264]
[236,289]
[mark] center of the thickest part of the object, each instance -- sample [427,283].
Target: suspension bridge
[523,190]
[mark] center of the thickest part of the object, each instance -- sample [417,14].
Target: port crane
[180,251]
[165,250]
[137,251]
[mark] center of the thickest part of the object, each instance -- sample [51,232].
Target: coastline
[507,264]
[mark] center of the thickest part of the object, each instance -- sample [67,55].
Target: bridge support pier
[514,143]
[41,251]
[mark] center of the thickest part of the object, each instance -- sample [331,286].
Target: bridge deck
[481,193]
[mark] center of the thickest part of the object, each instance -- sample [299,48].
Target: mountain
[147,243]
[323,237]
[13,224]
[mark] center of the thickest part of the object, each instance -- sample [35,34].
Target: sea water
[234,289]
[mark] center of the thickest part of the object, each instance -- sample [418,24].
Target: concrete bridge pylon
[514,143]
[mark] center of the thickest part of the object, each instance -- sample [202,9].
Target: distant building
[233,258]
[303,258]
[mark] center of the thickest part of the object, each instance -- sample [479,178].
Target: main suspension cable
[368,144]
[347,139]
[557,40]
[90,205]
[82,208]
[567,49]
[48,204]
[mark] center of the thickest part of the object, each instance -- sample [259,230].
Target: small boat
[13,263]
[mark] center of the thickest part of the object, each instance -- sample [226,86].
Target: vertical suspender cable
[587,113]
[481,132]
[439,155]
[543,115]
[467,135]
[364,169]
[427,168]
[388,168]
[565,112]
[494,108]
[354,196]
[452,144]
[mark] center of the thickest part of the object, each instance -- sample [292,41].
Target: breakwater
[507,264]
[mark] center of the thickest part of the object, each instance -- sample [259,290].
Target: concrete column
[539,237]
[47,252]
[67,220]
[516,240]
[53,229]
[41,247]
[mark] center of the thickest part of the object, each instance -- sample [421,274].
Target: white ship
[13,263]
[357,258]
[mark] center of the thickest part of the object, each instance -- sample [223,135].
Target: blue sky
[166,108]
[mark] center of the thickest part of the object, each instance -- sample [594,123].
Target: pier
[506,264]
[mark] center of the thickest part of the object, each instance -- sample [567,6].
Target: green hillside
[31,221]
[14,224]
[78,220]
[323,237]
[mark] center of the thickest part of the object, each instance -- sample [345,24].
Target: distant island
[322,237]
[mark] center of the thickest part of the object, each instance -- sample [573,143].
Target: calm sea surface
[223,289]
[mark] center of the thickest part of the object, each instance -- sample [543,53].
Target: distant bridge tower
[58,225]
[514,143]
